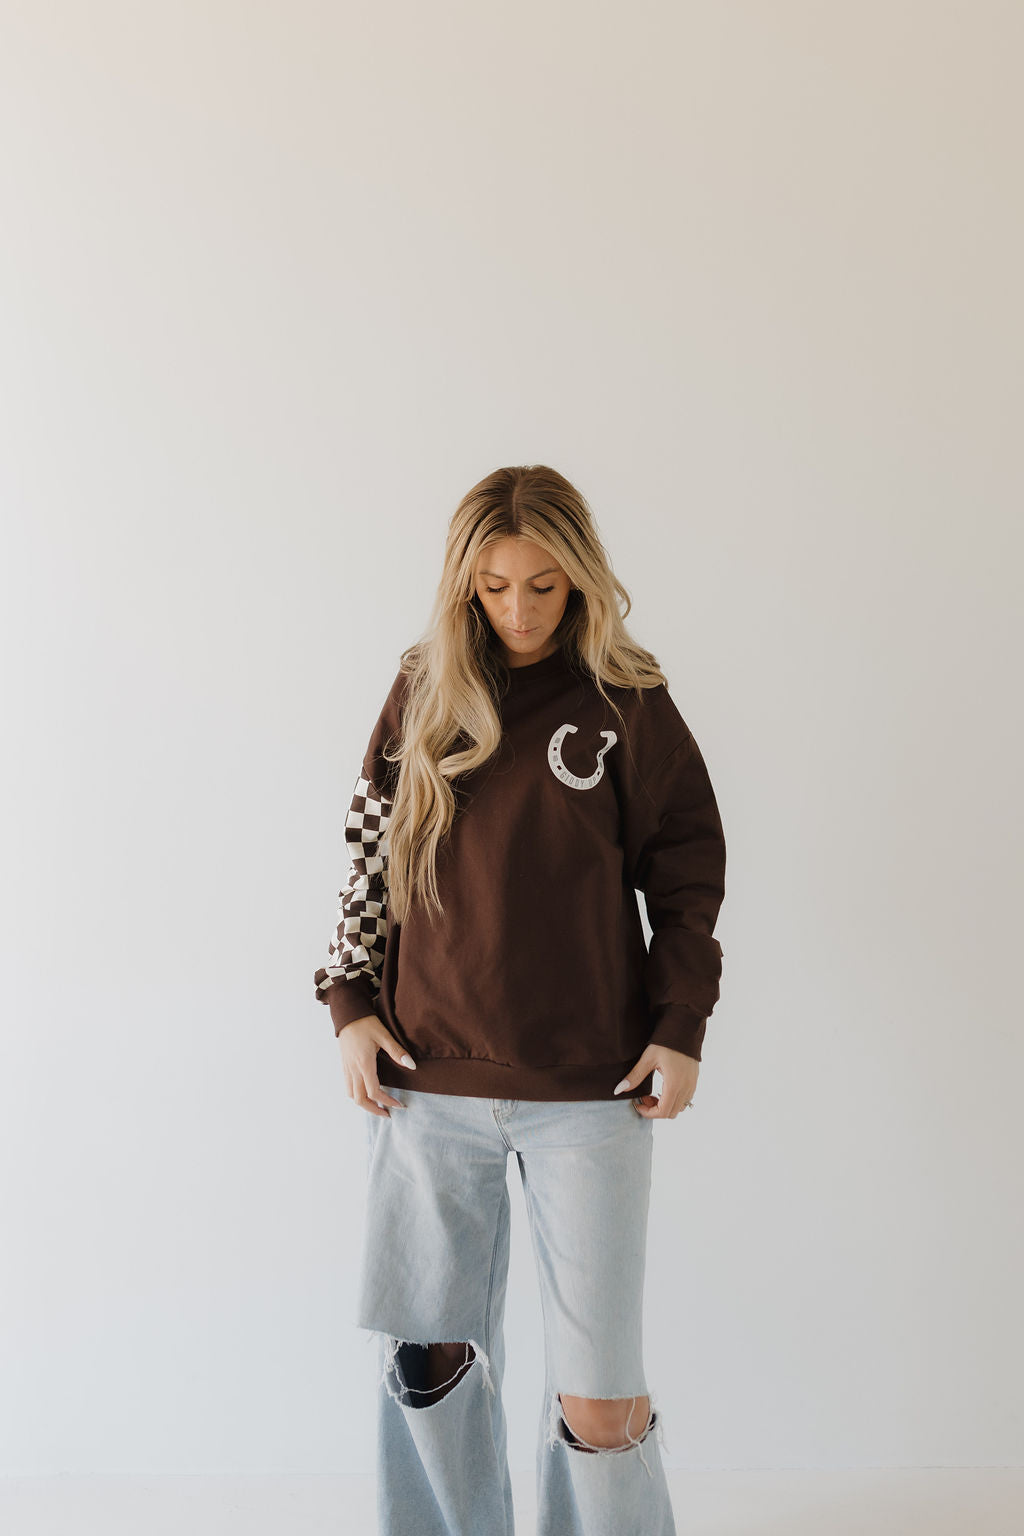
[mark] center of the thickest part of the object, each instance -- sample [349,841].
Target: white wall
[278,284]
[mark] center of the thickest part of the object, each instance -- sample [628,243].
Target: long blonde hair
[450,723]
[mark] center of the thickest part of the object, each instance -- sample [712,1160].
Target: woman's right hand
[360,1041]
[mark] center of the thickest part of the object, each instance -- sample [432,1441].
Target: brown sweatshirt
[538,983]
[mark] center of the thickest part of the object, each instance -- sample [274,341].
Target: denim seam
[501,1128]
[543,1312]
[490,1293]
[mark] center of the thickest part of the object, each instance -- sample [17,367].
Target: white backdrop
[277,285]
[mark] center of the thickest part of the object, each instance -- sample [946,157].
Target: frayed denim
[434,1271]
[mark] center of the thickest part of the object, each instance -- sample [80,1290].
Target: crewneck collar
[556,662]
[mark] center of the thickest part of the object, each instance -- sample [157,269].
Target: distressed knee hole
[421,1374]
[604,1424]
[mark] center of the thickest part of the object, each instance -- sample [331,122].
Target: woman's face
[524,593]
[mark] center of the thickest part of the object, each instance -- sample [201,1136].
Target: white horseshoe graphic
[559,769]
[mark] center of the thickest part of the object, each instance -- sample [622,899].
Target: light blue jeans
[434,1270]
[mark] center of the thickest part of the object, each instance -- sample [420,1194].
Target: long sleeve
[355,956]
[356,948]
[675,853]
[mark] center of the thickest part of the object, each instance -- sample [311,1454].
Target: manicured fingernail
[407,1061]
[619,1086]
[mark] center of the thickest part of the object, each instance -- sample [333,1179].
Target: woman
[491,991]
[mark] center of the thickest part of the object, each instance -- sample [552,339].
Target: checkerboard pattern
[357,945]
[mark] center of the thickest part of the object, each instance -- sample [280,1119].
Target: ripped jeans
[434,1269]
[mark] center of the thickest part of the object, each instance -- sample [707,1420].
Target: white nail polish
[407,1061]
[619,1086]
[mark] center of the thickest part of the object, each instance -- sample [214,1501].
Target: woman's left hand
[679,1074]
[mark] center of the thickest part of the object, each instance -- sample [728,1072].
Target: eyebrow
[536,577]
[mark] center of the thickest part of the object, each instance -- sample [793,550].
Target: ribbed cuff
[680,1029]
[349,998]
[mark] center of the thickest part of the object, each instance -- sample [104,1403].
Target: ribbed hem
[491,1080]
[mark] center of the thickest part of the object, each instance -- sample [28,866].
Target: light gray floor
[887,1502]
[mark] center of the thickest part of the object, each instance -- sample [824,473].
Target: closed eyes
[538,591]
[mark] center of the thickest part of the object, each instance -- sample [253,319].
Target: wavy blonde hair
[458,671]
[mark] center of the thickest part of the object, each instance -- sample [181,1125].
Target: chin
[527,647]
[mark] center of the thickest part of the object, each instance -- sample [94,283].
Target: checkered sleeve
[356,948]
